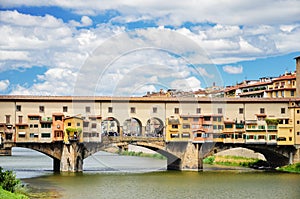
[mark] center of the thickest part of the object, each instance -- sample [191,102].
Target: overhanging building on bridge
[42,119]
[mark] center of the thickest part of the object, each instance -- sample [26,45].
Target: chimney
[297,76]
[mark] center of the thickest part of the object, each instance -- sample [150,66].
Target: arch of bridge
[52,150]
[275,155]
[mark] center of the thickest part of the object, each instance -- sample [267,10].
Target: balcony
[239,126]
[251,122]
[46,120]
[272,128]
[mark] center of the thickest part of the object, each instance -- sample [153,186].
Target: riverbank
[142,154]
[293,168]
[8,195]
[236,161]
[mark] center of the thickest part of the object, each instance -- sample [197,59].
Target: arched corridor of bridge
[132,127]
[111,127]
[154,127]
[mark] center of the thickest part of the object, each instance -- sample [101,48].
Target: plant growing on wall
[73,130]
[272,121]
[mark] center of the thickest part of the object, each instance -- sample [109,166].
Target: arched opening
[110,127]
[274,156]
[27,163]
[132,127]
[154,127]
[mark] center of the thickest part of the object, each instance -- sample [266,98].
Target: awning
[22,133]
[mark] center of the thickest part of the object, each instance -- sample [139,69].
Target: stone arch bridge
[180,155]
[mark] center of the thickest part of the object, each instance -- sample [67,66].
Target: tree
[8,180]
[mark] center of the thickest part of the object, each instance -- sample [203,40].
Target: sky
[127,48]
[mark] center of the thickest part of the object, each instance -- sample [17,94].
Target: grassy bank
[293,168]
[232,161]
[141,154]
[9,195]
[10,186]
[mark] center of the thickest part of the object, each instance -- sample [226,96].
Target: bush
[209,160]
[8,180]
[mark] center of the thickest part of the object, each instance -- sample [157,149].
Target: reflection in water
[112,176]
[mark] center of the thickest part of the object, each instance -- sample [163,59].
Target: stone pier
[295,157]
[188,156]
[71,158]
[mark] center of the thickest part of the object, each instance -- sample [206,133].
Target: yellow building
[283,86]
[285,132]
[295,118]
[187,127]
[173,129]
[73,129]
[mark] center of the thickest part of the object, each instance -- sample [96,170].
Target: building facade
[248,120]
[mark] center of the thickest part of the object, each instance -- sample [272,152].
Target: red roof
[285,77]
[255,84]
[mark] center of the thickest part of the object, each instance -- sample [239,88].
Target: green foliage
[8,195]
[79,130]
[233,161]
[72,130]
[272,121]
[141,154]
[293,168]
[8,180]
[209,160]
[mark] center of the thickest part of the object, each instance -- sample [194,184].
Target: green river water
[112,176]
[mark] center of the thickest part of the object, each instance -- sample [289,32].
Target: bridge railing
[113,139]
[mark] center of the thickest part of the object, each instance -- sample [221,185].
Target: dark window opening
[42,109]
[176,110]
[18,108]
[65,109]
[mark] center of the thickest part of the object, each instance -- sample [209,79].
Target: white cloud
[13,55]
[56,81]
[176,12]
[233,69]
[242,31]
[188,84]
[26,20]
[4,84]
[204,72]
[85,21]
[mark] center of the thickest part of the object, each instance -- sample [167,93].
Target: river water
[112,176]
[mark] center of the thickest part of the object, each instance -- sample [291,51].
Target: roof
[21,124]
[229,122]
[73,117]
[284,77]
[57,114]
[95,116]
[191,116]
[74,99]
[261,115]
[251,93]
[255,84]
[33,115]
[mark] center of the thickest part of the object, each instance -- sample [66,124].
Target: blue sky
[131,47]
